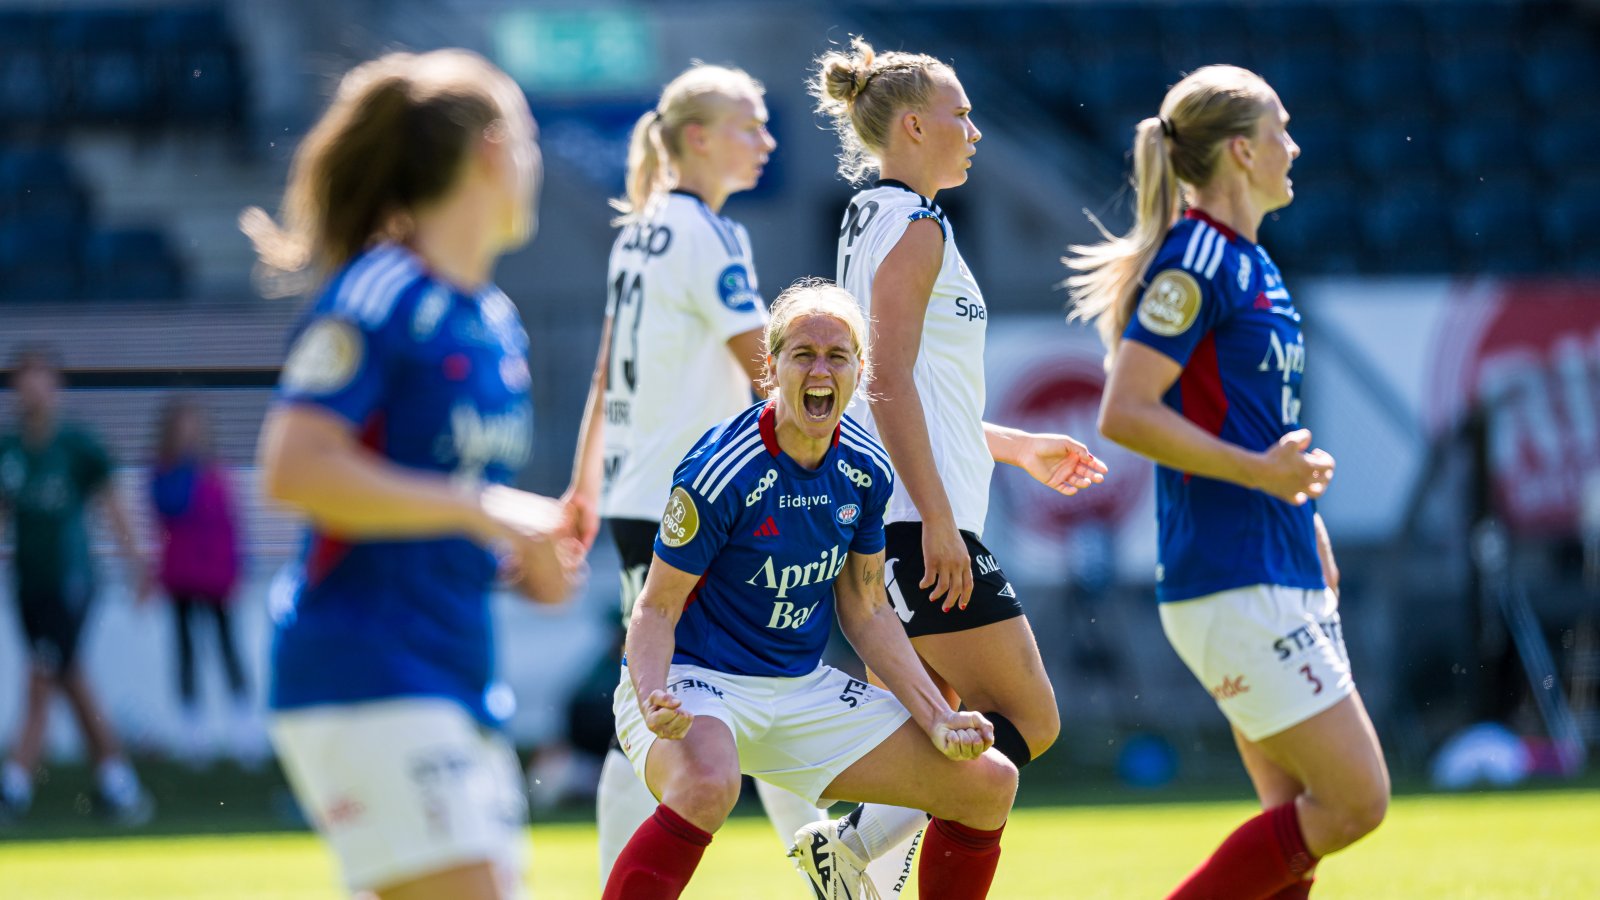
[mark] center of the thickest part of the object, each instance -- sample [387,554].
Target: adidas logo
[1008,591]
[768,528]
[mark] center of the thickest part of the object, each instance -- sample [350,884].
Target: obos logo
[735,289]
[681,521]
[847,513]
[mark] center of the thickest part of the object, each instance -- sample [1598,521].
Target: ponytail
[649,168]
[1110,273]
[1178,148]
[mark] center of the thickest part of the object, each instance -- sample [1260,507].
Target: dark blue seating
[39,261]
[130,265]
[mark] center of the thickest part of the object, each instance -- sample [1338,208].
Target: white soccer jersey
[681,283]
[949,368]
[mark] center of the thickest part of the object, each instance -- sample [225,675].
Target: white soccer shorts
[406,787]
[1271,656]
[796,733]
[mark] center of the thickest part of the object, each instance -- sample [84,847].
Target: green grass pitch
[1510,845]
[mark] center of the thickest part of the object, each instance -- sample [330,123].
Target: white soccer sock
[892,870]
[786,811]
[883,828]
[622,803]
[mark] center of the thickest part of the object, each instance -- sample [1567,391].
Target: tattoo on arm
[871,574]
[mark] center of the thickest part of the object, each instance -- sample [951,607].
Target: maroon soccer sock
[1263,856]
[659,859]
[957,862]
[1300,890]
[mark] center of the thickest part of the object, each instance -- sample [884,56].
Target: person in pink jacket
[200,558]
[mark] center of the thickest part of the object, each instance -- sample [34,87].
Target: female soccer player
[402,413]
[774,515]
[680,351]
[1206,358]
[906,117]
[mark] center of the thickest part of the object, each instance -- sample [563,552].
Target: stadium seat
[1479,80]
[1481,146]
[39,261]
[28,89]
[130,265]
[37,184]
[1496,227]
[1408,229]
[1388,150]
[197,65]
[1567,148]
[107,75]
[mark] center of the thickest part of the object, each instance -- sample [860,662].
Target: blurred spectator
[199,563]
[49,472]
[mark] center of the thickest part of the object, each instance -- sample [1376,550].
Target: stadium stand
[130,70]
[1469,128]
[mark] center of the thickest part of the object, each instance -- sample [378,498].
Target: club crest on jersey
[1171,304]
[681,522]
[846,514]
[325,358]
[733,286]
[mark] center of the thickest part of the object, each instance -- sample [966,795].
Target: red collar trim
[1200,214]
[768,423]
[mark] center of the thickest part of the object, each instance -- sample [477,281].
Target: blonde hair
[699,96]
[863,91]
[816,297]
[1178,148]
[395,138]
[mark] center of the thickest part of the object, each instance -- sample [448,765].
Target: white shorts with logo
[796,733]
[1271,656]
[406,787]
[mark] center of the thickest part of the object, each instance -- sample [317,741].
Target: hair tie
[655,116]
[859,80]
[1167,128]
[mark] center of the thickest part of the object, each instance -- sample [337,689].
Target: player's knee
[1366,816]
[703,792]
[1042,729]
[988,785]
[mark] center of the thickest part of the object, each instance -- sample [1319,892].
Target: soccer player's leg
[1274,787]
[787,812]
[969,801]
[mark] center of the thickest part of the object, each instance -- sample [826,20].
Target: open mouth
[818,402]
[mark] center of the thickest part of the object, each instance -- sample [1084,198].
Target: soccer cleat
[833,870]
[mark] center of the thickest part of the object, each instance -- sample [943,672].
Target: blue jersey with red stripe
[1216,304]
[431,379]
[768,537]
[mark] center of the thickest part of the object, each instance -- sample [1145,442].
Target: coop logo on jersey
[857,477]
[681,522]
[734,287]
[825,568]
[767,480]
[429,313]
[846,514]
[1171,303]
[325,358]
[1244,272]
[514,372]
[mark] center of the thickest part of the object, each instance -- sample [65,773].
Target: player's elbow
[1115,422]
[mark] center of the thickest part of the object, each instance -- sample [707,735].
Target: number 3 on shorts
[1316,683]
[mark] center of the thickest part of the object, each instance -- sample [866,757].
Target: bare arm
[749,348]
[650,642]
[1057,461]
[582,498]
[900,292]
[1330,568]
[880,640]
[1132,414]
[311,460]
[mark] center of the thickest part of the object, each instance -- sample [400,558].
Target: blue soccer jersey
[1216,304]
[431,379]
[768,537]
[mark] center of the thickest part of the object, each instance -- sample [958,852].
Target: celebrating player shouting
[775,517]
